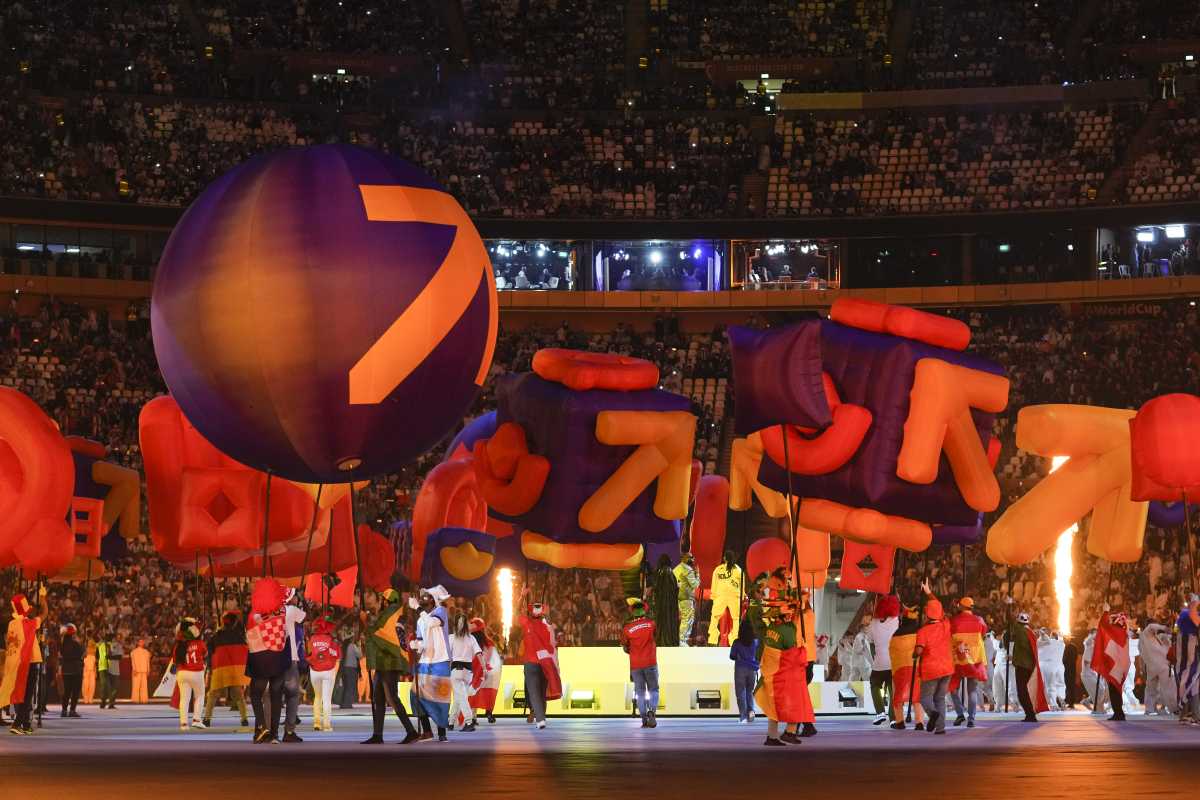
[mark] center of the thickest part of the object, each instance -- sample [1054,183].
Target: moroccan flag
[900,649]
[966,645]
[1110,657]
[783,686]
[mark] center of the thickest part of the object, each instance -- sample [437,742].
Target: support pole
[266,526]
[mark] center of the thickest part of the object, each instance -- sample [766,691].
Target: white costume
[1050,659]
[1089,677]
[859,668]
[1129,699]
[990,649]
[999,680]
[463,650]
[1160,689]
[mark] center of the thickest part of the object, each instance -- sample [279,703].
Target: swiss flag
[1110,658]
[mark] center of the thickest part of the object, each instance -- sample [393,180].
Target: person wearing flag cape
[227,656]
[387,660]
[1110,658]
[905,688]
[1187,661]
[782,692]
[268,657]
[22,661]
[434,686]
[540,645]
[1031,689]
[970,661]
[491,663]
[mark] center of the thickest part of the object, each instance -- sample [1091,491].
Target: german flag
[228,665]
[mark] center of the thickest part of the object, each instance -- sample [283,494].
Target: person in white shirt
[880,629]
[291,682]
[463,651]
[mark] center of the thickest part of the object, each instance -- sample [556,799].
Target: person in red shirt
[191,653]
[323,655]
[935,662]
[542,679]
[637,639]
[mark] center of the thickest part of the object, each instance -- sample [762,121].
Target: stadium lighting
[1070,248]
[1145,236]
[1176,232]
[1004,248]
[697,253]
[655,256]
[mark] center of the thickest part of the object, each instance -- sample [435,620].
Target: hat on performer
[324,624]
[887,606]
[910,612]
[967,603]
[68,630]
[636,605]
[477,625]
[20,605]
[1023,618]
[390,596]
[438,593]
[187,629]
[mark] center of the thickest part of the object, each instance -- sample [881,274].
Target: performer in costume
[269,658]
[904,684]
[189,656]
[783,689]
[1050,658]
[22,661]
[466,670]
[987,688]
[542,681]
[688,581]
[726,600]
[970,660]
[491,664]
[1031,690]
[139,662]
[88,690]
[291,683]
[666,606]
[386,661]
[1154,644]
[434,689]
[1095,700]
[935,662]
[1187,661]
[323,655]
[227,654]
[1111,659]
[880,628]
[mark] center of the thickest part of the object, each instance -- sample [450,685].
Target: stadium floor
[138,752]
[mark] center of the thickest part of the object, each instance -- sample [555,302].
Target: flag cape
[782,691]
[384,635]
[549,666]
[900,649]
[228,667]
[22,634]
[966,644]
[1187,659]
[1037,687]
[434,688]
[539,633]
[485,693]
[1110,655]
[265,640]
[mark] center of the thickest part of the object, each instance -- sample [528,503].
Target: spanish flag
[966,634]
[783,686]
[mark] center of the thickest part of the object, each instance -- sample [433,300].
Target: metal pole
[912,687]
[1187,525]
[266,526]
[794,524]
[1107,597]
[312,529]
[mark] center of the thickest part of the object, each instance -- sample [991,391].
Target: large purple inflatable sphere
[324,313]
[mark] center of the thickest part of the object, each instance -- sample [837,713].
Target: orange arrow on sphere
[439,306]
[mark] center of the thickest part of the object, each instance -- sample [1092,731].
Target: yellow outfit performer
[140,658]
[726,596]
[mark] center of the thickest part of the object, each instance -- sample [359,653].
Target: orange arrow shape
[439,306]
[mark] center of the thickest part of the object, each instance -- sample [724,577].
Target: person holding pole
[1031,691]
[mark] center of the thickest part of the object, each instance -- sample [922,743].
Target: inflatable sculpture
[1098,478]
[59,496]
[357,313]
[205,505]
[877,418]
